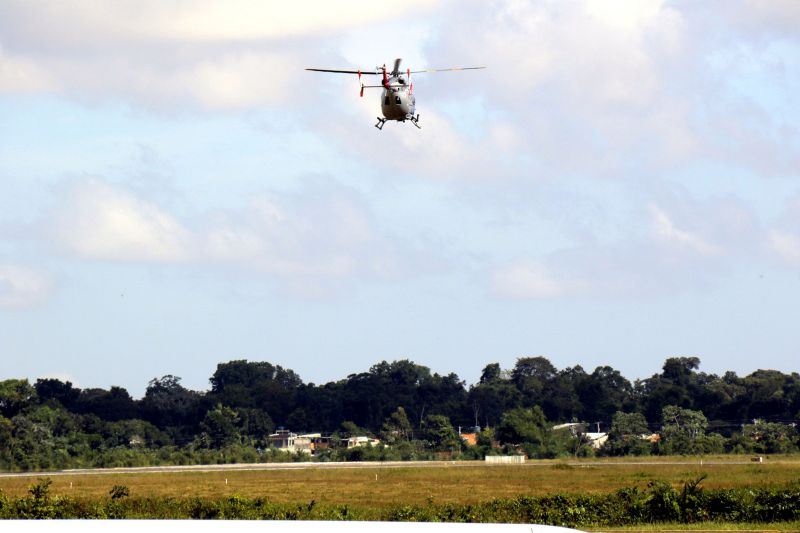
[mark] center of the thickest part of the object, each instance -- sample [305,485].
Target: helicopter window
[386,101]
[396,99]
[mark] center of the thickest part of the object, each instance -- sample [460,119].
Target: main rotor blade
[365,73]
[446,69]
[396,69]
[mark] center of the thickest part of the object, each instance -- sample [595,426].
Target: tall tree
[439,432]
[491,373]
[531,374]
[523,425]
[397,427]
[674,386]
[113,404]
[603,393]
[493,396]
[15,396]
[168,404]
[221,425]
[625,436]
[55,389]
[260,385]
[683,431]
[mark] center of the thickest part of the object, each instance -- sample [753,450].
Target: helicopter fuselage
[397,101]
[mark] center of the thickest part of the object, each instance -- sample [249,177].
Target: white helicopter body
[398,102]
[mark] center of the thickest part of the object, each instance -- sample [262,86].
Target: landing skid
[413,119]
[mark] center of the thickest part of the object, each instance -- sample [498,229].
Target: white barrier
[505,459]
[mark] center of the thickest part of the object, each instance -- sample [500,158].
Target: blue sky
[621,185]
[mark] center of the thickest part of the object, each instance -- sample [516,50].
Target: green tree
[168,404]
[439,432]
[298,420]
[624,425]
[15,396]
[678,385]
[771,437]
[560,400]
[604,392]
[493,396]
[531,375]
[55,389]
[397,427]
[113,404]
[349,429]
[625,436]
[682,430]
[221,426]
[255,423]
[523,425]
[260,385]
[767,394]
[491,373]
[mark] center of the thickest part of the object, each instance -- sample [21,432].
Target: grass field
[381,487]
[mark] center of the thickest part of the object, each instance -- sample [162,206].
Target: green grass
[472,483]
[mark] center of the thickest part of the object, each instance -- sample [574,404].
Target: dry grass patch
[381,487]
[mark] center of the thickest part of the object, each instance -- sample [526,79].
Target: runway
[249,467]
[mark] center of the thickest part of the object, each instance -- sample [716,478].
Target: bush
[657,502]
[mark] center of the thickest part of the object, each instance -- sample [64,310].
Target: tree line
[53,424]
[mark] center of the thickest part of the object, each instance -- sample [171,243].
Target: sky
[620,185]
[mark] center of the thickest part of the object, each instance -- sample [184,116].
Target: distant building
[309,443]
[596,440]
[576,428]
[355,442]
[319,443]
[652,438]
[470,439]
[287,441]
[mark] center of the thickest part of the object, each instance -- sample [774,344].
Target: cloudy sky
[621,185]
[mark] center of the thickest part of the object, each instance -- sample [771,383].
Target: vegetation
[657,501]
[53,425]
[381,485]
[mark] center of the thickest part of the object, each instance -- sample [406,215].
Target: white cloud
[666,230]
[98,221]
[89,22]
[443,150]
[571,87]
[301,236]
[759,16]
[531,279]
[309,243]
[22,287]
[612,88]
[20,75]
[786,246]
[688,245]
[177,54]
[784,235]
[215,80]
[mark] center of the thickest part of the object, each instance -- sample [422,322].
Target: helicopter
[397,101]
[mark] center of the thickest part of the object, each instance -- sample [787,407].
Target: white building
[287,441]
[355,442]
